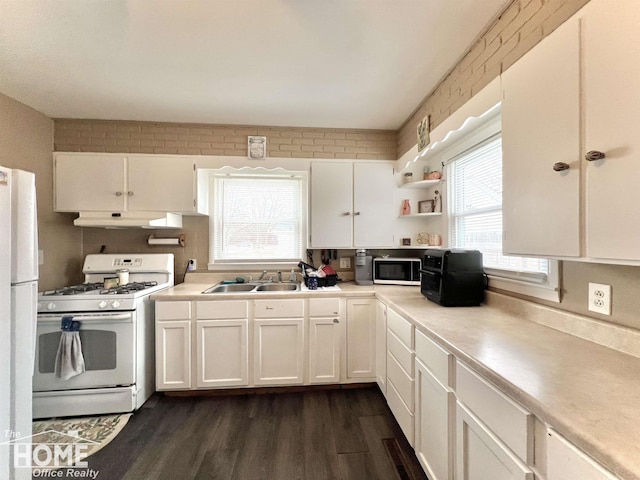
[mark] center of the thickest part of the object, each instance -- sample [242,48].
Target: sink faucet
[264,272]
[280,277]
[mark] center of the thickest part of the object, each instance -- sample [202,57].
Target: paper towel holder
[154,241]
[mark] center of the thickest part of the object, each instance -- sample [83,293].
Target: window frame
[512,281]
[253,264]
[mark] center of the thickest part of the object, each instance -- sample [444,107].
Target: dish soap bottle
[292,276]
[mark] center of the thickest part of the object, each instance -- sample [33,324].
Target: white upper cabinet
[612,116]
[575,93]
[540,128]
[124,183]
[351,204]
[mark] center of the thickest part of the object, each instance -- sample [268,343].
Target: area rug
[92,432]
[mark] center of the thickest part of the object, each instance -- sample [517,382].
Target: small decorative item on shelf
[423,238]
[425,206]
[434,176]
[406,242]
[435,239]
[406,207]
[437,202]
[407,177]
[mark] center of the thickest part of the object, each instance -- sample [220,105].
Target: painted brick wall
[202,139]
[521,26]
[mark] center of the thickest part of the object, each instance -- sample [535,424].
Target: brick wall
[521,26]
[202,139]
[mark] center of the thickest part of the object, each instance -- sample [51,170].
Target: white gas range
[116,330]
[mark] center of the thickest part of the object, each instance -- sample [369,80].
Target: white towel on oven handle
[69,358]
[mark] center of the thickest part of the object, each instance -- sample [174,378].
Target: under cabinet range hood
[153,220]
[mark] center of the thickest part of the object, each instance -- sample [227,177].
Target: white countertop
[588,392]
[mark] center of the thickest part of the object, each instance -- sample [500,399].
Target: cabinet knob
[118,194]
[594,155]
[335,320]
[560,166]
[130,193]
[356,213]
[346,214]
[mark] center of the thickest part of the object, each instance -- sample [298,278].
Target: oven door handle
[118,318]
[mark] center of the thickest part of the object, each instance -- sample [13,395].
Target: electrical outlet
[345,262]
[600,298]
[192,264]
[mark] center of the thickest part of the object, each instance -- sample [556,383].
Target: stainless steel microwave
[396,271]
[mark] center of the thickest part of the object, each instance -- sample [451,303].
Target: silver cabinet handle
[118,194]
[356,213]
[346,214]
[130,193]
[594,155]
[335,320]
[560,166]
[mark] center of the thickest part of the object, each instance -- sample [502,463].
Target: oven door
[108,341]
[431,284]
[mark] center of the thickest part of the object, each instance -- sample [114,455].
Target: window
[258,218]
[475,221]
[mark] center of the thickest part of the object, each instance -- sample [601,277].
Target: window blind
[475,206]
[258,217]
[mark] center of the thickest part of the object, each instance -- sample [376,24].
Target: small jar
[123,276]
[312,282]
[407,178]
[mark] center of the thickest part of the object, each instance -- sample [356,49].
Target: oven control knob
[115,304]
[51,306]
[102,304]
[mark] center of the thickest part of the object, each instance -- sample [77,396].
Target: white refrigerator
[18,312]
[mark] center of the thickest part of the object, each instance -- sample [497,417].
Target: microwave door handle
[120,318]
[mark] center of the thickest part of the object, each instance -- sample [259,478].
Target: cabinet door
[373,209]
[278,351]
[331,205]
[565,461]
[221,353]
[173,355]
[381,346]
[434,426]
[361,338]
[324,350]
[480,455]
[89,182]
[612,116]
[540,127]
[158,183]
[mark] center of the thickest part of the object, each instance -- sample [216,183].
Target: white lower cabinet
[565,461]
[480,455]
[173,346]
[278,348]
[381,346]
[435,405]
[361,338]
[325,334]
[221,353]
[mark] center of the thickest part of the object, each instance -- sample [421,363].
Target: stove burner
[98,288]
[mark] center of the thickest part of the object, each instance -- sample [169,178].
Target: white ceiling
[306,63]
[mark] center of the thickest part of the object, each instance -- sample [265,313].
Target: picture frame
[425,206]
[257,148]
[406,242]
[423,131]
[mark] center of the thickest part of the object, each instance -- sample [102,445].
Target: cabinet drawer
[279,308]
[402,354]
[564,460]
[400,411]
[324,307]
[508,420]
[222,310]
[402,381]
[173,310]
[435,358]
[401,327]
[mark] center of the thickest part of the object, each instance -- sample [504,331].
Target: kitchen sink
[278,287]
[253,287]
[230,288]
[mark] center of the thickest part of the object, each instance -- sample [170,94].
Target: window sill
[543,292]
[253,266]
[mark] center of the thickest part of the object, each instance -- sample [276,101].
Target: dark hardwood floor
[342,434]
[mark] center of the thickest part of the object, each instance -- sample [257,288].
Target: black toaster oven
[453,278]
